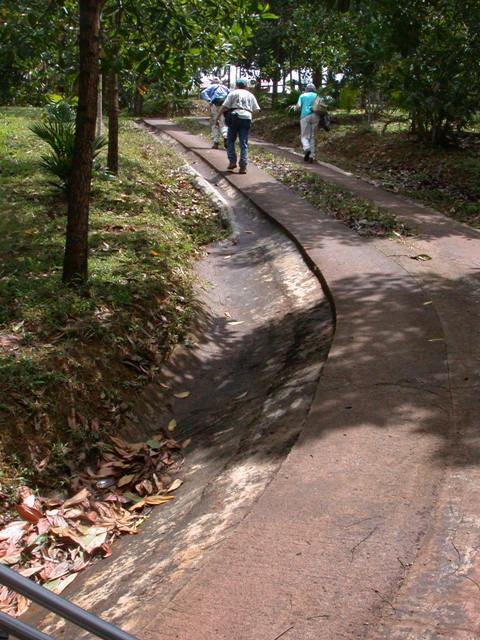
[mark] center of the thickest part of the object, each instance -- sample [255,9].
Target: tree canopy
[420,57]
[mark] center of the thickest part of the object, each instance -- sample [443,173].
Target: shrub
[168,104]
[349,98]
[286,100]
[58,130]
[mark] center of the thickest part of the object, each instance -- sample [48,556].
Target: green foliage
[153,41]
[58,130]
[349,98]
[264,99]
[37,49]
[171,104]
[418,56]
[159,47]
[60,109]
[286,101]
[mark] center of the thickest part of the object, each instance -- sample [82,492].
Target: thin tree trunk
[75,264]
[99,125]
[137,103]
[112,95]
[369,107]
[317,77]
[274,89]
[112,157]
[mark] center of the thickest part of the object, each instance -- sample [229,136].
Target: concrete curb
[224,210]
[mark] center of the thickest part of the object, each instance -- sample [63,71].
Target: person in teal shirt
[308,121]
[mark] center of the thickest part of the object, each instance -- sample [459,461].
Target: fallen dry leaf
[125,480]
[79,497]
[13,531]
[28,513]
[59,537]
[154,500]
[58,585]
[175,484]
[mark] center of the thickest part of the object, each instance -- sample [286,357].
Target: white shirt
[242,102]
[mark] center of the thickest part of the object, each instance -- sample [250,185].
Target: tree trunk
[112,157]
[99,125]
[274,89]
[138,104]
[413,122]
[317,77]
[75,264]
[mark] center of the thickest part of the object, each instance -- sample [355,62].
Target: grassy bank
[72,363]
[358,214]
[447,179]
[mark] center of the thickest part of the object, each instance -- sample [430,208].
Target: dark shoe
[306,155]
[311,160]
[243,170]
[231,166]
[225,143]
[215,145]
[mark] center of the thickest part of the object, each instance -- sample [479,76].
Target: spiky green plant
[58,130]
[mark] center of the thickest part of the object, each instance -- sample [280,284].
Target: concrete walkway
[371,527]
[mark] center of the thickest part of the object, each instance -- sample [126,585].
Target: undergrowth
[360,215]
[71,363]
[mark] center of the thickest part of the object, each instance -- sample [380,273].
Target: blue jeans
[240,126]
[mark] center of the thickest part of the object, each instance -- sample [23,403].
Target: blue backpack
[221,92]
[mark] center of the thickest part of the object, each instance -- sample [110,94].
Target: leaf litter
[56,537]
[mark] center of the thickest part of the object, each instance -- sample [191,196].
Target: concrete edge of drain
[225,211]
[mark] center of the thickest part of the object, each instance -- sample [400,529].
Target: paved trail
[441,595]
[251,367]
[370,528]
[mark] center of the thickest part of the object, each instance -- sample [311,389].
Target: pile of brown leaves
[56,538]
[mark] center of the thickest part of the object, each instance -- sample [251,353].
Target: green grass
[356,213]
[63,351]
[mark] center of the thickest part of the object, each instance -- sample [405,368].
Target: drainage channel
[251,366]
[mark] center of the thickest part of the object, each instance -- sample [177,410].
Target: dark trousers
[240,127]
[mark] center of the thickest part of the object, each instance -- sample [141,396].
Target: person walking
[215,93]
[308,121]
[240,104]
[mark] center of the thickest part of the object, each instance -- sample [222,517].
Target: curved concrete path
[370,529]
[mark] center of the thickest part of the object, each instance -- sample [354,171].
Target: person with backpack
[312,112]
[215,94]
[238,107]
